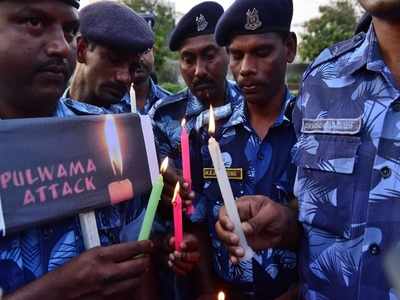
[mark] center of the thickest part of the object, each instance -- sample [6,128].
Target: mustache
[202,81]
[57,65]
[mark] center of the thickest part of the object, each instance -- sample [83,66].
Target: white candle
[226,189]
[89,230]
[132,95]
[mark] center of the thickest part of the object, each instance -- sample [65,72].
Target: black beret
[364,23]
[254,17]
[74,3]
[115,25]
[200,20]
[149,18]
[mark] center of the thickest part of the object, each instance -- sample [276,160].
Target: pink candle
[177,211]
[185,150]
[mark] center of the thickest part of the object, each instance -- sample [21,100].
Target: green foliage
[336,23]
[172,87]
[165,21]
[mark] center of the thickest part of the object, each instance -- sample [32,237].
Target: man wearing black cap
[37,56]
[203,66]
[112,39]
[147,91]
[256,142]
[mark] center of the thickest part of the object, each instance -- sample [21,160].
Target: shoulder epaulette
[335,51]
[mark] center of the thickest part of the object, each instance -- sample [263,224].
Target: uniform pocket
[325,184]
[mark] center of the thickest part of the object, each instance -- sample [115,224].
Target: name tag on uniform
[332,126]
[233,173]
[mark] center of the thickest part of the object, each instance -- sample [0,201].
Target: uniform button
[396,106]
[374,249]
[386,172]
[260,156]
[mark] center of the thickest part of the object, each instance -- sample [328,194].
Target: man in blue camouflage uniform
[348,127]
[348,155]
[46,262]
[256,141]
[203,66]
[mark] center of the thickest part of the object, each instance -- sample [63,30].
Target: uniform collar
[232,97]
[240,113]
[79,107]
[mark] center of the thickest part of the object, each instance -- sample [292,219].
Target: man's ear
[291,46]
[82,48]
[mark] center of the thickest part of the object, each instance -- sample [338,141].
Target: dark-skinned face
[385,9]
[258,63]
[204,66]
[108,73]
[37,52]
[145,67]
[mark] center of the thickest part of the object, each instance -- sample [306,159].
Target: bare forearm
[43,288]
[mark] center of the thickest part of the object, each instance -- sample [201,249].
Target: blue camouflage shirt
[29,255]
[254,167]
[347,119]
[156,93]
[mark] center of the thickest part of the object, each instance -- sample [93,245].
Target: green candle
[154,199]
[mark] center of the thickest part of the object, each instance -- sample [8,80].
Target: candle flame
[114,147]
[211,121]
[164,165]
[221,296]
[176,191]
[183,123]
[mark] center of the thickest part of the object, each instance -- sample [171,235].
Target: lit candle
[132,95]
[185,150]
[226,189]
[177,211]
[185,154]
[154,199]
[221,296]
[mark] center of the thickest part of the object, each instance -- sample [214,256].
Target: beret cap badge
[201,23]
[253,20]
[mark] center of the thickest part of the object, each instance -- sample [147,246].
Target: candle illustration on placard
[177,212]
[120,190]
[225,187]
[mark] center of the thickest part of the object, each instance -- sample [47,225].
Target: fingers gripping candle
[225,187]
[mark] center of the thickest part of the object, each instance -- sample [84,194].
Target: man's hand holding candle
[266,224]
[182,262]
[99,273]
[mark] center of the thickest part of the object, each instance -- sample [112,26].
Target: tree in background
[165,22]
[336,23]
